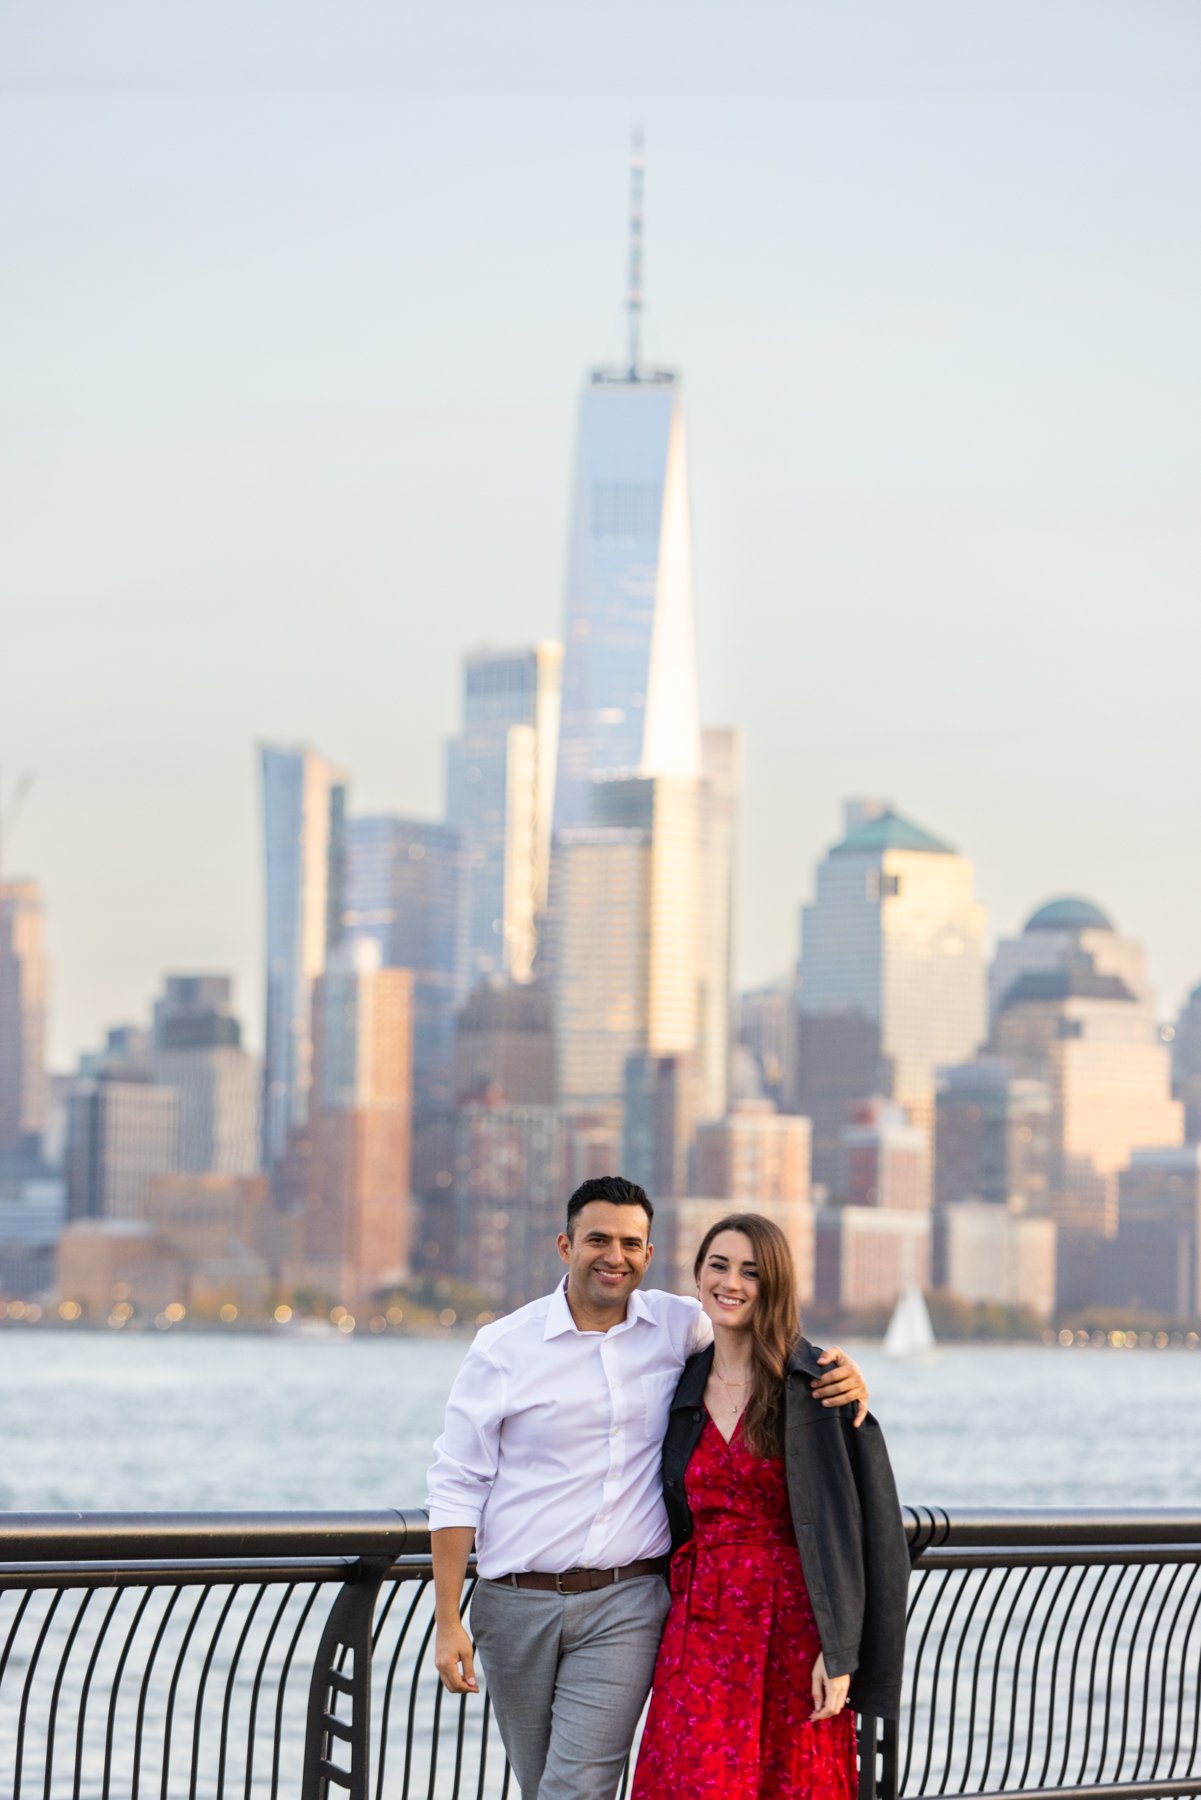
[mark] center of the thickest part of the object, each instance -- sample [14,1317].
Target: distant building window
[881,886]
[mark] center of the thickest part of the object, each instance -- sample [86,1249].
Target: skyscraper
[404,889]
[1186,1064]
[24,1094]
[630,697]
[304,804]
[197,1050]
[1090,1034]
[122,1132]
[500,775]
[644,802]
[892,978]
[355,1188]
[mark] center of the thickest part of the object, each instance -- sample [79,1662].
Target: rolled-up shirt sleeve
[465,1456]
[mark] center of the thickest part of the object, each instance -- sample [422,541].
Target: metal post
[342,1672]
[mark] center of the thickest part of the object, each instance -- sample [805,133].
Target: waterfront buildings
[197,1050]
[510,1185]
[1153,1264]
[500,775]
[122,1132]
[883,1159]
[504,1045]
[349,1172]
[304,807]
[755,1157]
[659,1120]
[757,1160]
[993,1136]
[892,976]
[24,1093]
[1089,1033]
[865,1256]
[766,1028]
[997,1254]
[405,891]
[1186,1064]
[1083,1025]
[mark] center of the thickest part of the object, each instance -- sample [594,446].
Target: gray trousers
[568,1675]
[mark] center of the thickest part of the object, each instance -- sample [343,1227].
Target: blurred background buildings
[465,1016]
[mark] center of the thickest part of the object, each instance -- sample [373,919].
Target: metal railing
[247,1655]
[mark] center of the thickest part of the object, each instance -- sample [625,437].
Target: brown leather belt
[584,1581]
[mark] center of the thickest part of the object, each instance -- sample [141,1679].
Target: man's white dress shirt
[553,1435]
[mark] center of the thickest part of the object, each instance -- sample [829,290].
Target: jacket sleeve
[876,1686]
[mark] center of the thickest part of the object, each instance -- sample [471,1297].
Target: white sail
[910,1332]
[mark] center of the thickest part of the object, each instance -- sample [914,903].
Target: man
[549,1461]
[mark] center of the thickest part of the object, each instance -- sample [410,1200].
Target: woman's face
[729,1280]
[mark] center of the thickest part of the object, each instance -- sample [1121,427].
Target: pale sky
[296,303]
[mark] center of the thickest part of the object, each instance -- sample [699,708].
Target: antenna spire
[634,299]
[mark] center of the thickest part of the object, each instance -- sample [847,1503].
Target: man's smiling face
[607,1255]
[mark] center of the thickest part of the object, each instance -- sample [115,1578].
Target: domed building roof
[1068,914]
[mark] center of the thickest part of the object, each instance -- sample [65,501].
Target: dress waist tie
[696,1568]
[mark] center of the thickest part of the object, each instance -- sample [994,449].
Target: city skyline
[936,327]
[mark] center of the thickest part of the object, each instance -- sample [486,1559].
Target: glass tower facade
[304,806]
[23,982]
[500,775]
[629,670]
[404,889]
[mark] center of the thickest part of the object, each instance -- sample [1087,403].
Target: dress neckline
[728,1442]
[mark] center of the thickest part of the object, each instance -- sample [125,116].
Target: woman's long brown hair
[775,1326]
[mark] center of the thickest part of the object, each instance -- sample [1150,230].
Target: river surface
[101,1421]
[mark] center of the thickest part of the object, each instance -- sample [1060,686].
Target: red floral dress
[729,1712]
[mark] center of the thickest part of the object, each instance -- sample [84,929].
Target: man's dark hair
[613,1188]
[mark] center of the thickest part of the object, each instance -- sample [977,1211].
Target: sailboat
[910,1332]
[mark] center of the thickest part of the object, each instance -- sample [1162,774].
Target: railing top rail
[1021,1527]
[195,1536]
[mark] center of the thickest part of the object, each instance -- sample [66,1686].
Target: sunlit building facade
[630,696]
[24,1089]
[884,1159]
[500,774]
[351,1166]
[1091,1036]
[997,1255]
[304,806]
[892,976]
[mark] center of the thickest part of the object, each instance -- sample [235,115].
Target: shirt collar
[559,1319]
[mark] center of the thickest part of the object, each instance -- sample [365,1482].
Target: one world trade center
[630,698]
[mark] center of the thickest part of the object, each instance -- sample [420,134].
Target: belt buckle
[559,1588]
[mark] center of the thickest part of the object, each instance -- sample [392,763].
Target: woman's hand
[829,1692]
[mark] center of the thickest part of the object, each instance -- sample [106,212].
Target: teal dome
[1069,914]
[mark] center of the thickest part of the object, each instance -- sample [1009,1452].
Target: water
[99,1421]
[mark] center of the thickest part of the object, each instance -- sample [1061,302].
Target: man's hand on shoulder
[454,1658]
[842,1383]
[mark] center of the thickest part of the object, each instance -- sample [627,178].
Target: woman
[790,1567]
